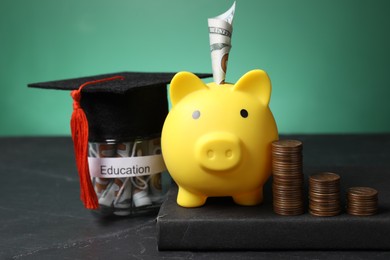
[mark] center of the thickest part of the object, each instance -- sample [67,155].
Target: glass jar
[128,177]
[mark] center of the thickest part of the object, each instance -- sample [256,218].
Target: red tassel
[79,129]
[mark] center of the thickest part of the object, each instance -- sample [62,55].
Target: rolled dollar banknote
[220,32]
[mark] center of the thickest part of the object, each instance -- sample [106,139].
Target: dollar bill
[220,33]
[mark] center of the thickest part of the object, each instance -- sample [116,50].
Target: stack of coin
[324,194]
[287,186]
[362,201]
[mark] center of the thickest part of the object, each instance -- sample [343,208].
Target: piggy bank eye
[244,113]
[196,114]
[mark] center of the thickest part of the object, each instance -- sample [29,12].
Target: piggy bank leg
[249,198]
[188,199]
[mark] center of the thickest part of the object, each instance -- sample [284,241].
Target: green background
[328,61]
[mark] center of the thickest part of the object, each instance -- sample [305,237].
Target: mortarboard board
[121,109]
[117,106]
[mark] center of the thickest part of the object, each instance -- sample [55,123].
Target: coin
[287,187]
[363,192]
[325,177]
[324,194]
[362,201]
[287,144]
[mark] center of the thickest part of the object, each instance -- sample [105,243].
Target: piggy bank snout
[218,151]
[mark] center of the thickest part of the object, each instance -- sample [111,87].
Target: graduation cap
[118,106]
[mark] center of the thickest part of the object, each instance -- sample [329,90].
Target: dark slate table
[41,216]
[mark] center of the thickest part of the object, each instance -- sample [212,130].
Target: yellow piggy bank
[216,140]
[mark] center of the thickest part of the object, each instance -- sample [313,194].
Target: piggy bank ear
[182,84]
[257,83]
